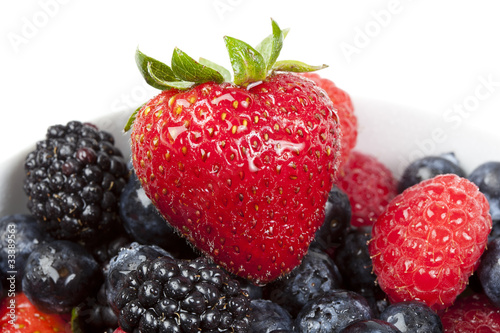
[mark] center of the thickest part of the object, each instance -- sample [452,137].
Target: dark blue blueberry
[428,167]
[127,260]
[316,275]
[332,312]
[20,234]
[412,317]
[145,225]
[487,178]
[372,326]
[267,316]
[355,265]
[337,219]
[59,275]
[489,271]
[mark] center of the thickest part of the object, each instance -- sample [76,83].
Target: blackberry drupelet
[74,179]
[176,295]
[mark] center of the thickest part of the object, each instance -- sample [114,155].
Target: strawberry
[345,110]
[242,170]
[18,315]
[429,240]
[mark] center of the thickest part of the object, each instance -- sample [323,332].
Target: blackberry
[74,179]
[145,225]
[316,275]
[371,326]
[487,178]
[95,314]
[267,316]
[177,295]
[105,251]
[489,271]
[337,220]
[332,312]
[20,234]
[59,275]
[127,260]
[429,167]
[412,317]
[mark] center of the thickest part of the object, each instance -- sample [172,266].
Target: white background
[74,60]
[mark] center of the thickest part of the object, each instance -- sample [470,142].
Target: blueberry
[337,219]
[489,271]
[332,312]
[20,234]
[59,275]
[127,260]
[267,316]
[372,326]
[487,178]
[145,225]
[316,275]
[429,167]
[355,265]
[412,317]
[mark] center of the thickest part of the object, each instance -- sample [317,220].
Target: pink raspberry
[369,185]
[471,314]
[429,240]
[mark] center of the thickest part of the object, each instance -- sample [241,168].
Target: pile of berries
[246,208]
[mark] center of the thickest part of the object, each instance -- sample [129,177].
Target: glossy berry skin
[19,236]
[243,174]
[267,316]
[28,318]
[345,110]
[332,312]
[429,240]
[471,314]
[412,317]
[337,220]
[487,178]
[59,275]
[175,295]
[316,275]
[370,186]
[95,314]
[127,260]
[428,167]
[371,326]
[489,271]
[74,179]
[144,224]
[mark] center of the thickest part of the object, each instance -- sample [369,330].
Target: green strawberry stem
[250,65]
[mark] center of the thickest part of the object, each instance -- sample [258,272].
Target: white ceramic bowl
[395,134]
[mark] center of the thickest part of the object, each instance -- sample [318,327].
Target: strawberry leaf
[182,85]
[188,69]
[270,47]
[248,64]
[223,71]
[131,119]
[151,68]
[295,66]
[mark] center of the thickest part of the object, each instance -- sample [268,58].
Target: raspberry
[471,314]
[345,110]
[429,240]
[370,186]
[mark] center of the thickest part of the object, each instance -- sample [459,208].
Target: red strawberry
[345,110]
[471,314]
[18,315]
[242,169]
[428,242]
[370,186]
